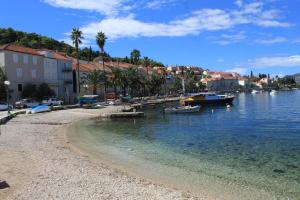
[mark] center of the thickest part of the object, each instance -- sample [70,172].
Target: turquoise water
[250,151]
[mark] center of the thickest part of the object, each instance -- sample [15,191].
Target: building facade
[24,66]
[21,66]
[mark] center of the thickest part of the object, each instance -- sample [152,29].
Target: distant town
[41,72]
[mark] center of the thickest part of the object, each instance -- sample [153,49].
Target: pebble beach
[38,162]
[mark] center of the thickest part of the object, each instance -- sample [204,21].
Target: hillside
[36,41]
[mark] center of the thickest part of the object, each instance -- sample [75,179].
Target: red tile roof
[20,49]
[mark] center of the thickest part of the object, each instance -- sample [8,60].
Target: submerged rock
[280,171]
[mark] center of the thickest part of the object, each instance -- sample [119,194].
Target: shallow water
[250,151]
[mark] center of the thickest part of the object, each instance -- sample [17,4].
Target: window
[20,87]
[19,72]
[15,58]
[25,59]
[33,73]
[34,60]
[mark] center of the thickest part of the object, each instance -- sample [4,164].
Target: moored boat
[182,109]
[255,92]
[207,98]
[38,109]
[273,92]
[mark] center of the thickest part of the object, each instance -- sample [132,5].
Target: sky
[225,35]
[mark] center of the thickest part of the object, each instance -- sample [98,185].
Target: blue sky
[227,35]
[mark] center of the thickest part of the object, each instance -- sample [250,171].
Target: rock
[3,185]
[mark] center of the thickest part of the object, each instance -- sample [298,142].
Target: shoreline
[40,163]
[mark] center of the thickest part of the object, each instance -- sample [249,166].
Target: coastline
[39,163]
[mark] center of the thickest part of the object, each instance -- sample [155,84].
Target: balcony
[67,82]
[66,70]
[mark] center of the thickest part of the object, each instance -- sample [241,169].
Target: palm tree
[94,79]
[116,78]
[155,82]
[146,63]
[134,80]
[135,56]
[76,37]
[101,39]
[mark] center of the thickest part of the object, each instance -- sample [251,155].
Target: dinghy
[182,109]
[38,109]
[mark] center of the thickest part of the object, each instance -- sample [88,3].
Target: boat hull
[179,111]
[204,102]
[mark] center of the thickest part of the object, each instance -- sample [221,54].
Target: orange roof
[85,67]
[20,49]
[57,55]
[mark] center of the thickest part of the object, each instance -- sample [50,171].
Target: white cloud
[240,70]
[156,4]
[111,7]
[279,61]
[116,25]
[239,3]
[226,39]
[275,40]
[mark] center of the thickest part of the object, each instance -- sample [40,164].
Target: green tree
[154,84]
[116,78]
[176,86]
[101,40]
[76,37]
[44,91]
[94,79]
[146,63]
[134,80]
[29,91]
[2,86]
[135,56]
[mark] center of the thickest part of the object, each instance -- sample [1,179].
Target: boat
[273,92]
[255,92]
[207,98]
[182,109]
[38,109]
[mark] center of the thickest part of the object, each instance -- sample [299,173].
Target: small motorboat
[182,109]
[38,109]
[255,92]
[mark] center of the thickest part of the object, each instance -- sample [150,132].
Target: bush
[2,86]
[29,91]
[44,91]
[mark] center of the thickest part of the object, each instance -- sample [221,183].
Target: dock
[123,115]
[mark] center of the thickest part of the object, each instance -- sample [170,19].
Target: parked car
[26,103]
[52,102]
[5,106]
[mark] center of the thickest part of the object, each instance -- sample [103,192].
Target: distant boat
[273,92]
[208,98]
[255,92]
[38,109]
[182,109]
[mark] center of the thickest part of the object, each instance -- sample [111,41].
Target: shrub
[44,91]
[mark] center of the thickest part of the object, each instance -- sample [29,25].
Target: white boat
[183,109]
[273,92]
[38,109]
[255,92]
